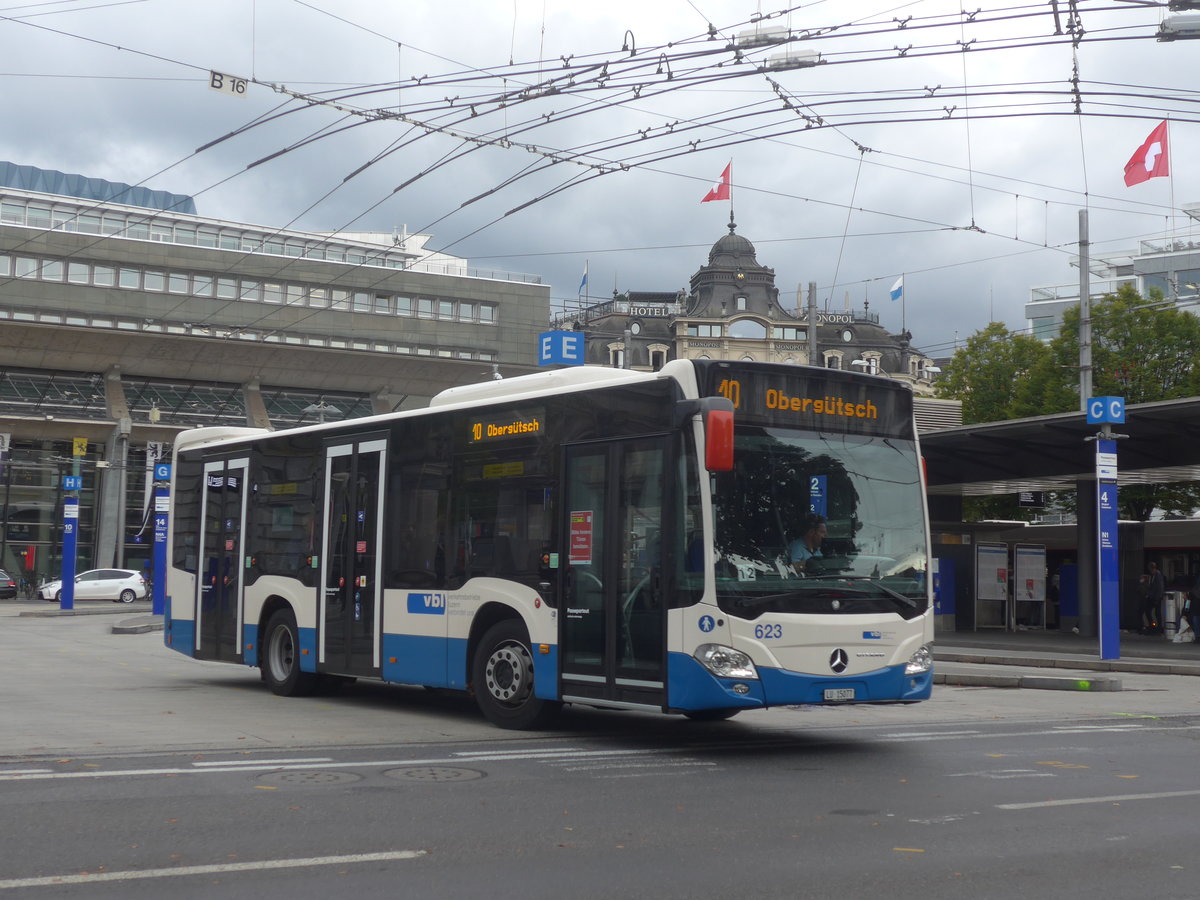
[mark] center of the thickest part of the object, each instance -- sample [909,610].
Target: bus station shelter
[1159,442]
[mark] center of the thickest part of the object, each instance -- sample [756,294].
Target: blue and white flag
[583,281]
[897,290]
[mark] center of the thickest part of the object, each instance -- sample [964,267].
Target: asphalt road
[129,771]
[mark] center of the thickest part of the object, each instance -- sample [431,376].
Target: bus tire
[281,657]
[502,679]
[711,715]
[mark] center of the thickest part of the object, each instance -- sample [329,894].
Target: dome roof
[732,250]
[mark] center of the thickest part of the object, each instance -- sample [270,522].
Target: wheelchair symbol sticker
[707,624]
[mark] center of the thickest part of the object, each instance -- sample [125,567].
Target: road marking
[913,734]
[264,762]
[24,771]
[1003,773]
[220,868]
[1116,798]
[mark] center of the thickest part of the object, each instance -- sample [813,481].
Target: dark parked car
[8,587]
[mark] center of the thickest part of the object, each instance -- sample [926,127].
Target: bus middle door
[612,633]
[351,559]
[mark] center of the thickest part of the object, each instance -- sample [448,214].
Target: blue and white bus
[590,535]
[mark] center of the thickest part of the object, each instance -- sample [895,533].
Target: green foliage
[1142,350]
[984,373]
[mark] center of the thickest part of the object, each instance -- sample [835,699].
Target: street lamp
[321,408]
[1184,27]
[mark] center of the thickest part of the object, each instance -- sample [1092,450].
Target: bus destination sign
[506,427]
[827,400]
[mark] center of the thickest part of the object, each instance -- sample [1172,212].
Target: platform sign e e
[561,348]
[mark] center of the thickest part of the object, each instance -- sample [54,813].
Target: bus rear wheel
[281,657]
[502,678]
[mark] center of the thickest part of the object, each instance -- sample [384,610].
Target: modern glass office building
[125,318]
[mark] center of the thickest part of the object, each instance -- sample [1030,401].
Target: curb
[1103,684]
[140,628]
[1142,666]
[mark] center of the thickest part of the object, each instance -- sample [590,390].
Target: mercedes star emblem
[838,660]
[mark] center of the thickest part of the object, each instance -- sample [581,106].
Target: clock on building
[847,335]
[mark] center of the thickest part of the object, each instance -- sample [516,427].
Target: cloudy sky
[539,135]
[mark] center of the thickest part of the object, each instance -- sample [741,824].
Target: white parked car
[118,585]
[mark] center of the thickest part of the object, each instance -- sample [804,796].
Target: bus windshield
[819,522]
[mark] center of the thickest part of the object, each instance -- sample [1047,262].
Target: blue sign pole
[1106,412]
[162,507]
[69,545]
[1106,526]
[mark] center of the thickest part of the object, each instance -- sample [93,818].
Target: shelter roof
[1044,453]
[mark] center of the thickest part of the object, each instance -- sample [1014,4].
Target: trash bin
[1172,607]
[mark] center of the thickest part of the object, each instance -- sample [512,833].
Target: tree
[984,373]
[1141,350]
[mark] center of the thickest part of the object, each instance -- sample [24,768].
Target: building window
[740,303]
[790,333]
[701,330]
[748,328]
[658,359]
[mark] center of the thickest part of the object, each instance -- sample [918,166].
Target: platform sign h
[561,348]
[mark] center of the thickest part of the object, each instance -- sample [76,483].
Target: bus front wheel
[281,659]
[502,678]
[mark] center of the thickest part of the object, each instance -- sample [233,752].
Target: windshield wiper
[764,599]
[895,595]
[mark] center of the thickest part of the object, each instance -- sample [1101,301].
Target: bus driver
[809,545]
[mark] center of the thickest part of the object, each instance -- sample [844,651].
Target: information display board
[1029,584]
[991,585]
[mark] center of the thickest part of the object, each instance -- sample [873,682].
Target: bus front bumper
[693,687]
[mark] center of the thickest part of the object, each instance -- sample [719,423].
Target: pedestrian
[1192,610]
[1152,605]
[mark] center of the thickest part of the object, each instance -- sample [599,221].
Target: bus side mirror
[718,440]
[717,416]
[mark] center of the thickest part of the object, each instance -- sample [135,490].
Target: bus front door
[351,558]
[612,633]
[219,606]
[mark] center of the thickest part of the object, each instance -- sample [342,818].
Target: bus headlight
[921,661]
[725,662]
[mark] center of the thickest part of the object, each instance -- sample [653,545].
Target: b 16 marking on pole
[227,84]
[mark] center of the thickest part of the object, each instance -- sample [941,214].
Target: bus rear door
[612,633]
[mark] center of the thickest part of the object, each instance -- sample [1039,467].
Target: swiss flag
[1150,159]
[720,190]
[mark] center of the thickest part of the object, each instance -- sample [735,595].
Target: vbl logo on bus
[427,604]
